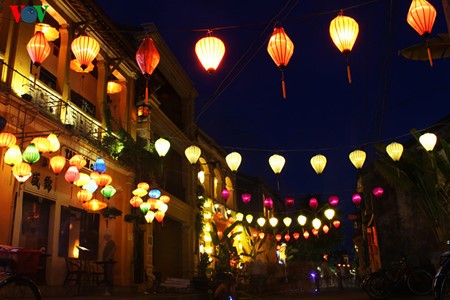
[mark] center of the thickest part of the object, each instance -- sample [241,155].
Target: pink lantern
[356,198]
[72,174]
[378,192]
[225,195]
[289,202]
[313,203]
[334,200]
[268,203]
[246,198]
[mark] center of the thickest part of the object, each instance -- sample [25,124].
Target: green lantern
[145,207]
[31,154]
[108,191]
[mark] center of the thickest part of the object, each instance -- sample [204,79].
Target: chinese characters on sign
[35,181]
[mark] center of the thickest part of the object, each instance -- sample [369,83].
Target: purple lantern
[225,195]
[313,203]
[356,198]
[268,203]
[378,192]
[289,202]
[334,200]
[246,198]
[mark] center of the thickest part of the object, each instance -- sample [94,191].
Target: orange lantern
[315,231]
[54,142]
[296,235]
[22,171]
[83,180]
[78,161]
[57,163]
[143,185]
[164,199]
[7,139]
[280,49]
[85,50]
[306,234]
[75,66]
[94,205]
[113,87]
[136,201]
[210,51]
[38,48]
[261,235]
[344,31]
[104,179]
[219,234]
[159,216]
[84,196]
[336,223]
[421,17]
[325,228]
[278,237]
[147,58]
[287,237]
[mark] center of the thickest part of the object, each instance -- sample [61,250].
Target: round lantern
[7,139]
[246,198]
[296,235]
[357,158]
[428,141]
[84,196]
[143,185]
[301,220]
[315,231]
[273,222]
[162,146]
[225,195]
[334,200]
[149,216]
[318,163]
[268,203]
[85,50]
[54,142]
[336,223]
[316,223]
[313,203]
[99,165]
[38,48]
[136,201]
[77,161]
[193,154]
[13,155]
[287,221]
[249,218]
[306,234]
[72,174]
[154,193]
[22,171]
[57,163]
[210,51]
[289,202]
[261,235]
[280,49]
[233,160]
[344,31]
[108,191]
[83,180]
[31,154]
[277,162]
[261,221]
[356,198]
[42,144]
[147,57]
[394,150]
[421,17]
[329,213]
[104,180]
[378,192]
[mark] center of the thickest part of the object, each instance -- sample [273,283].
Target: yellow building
[79,107]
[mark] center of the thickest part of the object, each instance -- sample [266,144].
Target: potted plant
[202,281]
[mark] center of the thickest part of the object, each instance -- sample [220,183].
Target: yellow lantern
[233,160]
[113,87]
[261,221]
[316,223]
[54,142]
[344,31]
[301,220]
[277,162]
[150,216]
[75,66]
[201,177]
[249,218]
[82,180]
[104,179]
[85,50]
[84,196]
[143,185]
[57,163]
[13,156]
[287,221]
[42,144]
[159,216]
[325,228]
[49,32]
[22,171]
[239,216]
[7,139]
[273,221]
[318,163]
[193,154]
[329,213]
[394,150]
[210,51]
[428,141]
[357,158]
[94,205]
[164,199]
[140,192]
[162,146]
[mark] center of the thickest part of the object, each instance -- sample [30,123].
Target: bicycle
[15,285]
[381,284]
[441,281]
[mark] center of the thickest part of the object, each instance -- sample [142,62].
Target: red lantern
[85,50]
[280,49]
[296,235]
[289,202]
[38,48]
[246,198]
[313,203]
[278,237]
[268,203]
[57,163]
[334,200]
[147,57]
[219,234]
[72,174]
[225,195]
[315,231]
[336,223]
[287,237]
[356,198]
[378,192]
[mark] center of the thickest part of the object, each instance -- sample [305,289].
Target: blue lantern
[100,165]
[155,193]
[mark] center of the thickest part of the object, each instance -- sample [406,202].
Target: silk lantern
[428,141]
[7,140]
[287,221]
[313,203]
[13,156]
[296,235]
[147,57]
[280,49]
[249,218]
[318,163]
[154,193]
[75,66]
[329,213]
[356,198]
[193,154]
[306,234]
[136,201]
[246,198]
[78,161]
[99,165]
[378,192]
[113,87]
[336,223]
[289,202]
[85,50]
[42,144]
[84,196]
[233,160]
[344,31]
[38,48]
[301,220]
[162,146]
[31,154]
[334,200]
[72,174]
[225,195]
[210,51]
[54,142]
[268,203]
[394,150]
[277,162]
[273,222]
[357,158]
[108,191]
[22,171]
[57,163]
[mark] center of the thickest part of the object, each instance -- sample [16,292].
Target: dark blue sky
[389,95]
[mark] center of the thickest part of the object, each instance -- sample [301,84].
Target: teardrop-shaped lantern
[287,237]
[301,219]
[54,142]
[108,191]
[193,154]
[277,162]
[78,161]
[357,158]
[233,160]
[149,216]
[268,203]
[249,218]
[147,57]
[273,222]
[313,203]
[296,235]
[329,213]
[246,198]
[31,154]
[356,198]
[7,139]
[22,171]
[278,237]
[85,50]
[99,165]
[287,221]
[159,216]
[394,150]
[261,221]
[316,223]
[136,201]
[334,200]
[428,141]
[42,144]
[325,228]
[306,234]
[57,163]
[162,146]
[344,31]
[318,163]
[38,48]
[421,17]
[13,156]
[72,174]
[280,49]
[210,51]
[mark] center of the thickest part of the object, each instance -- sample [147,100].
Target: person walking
[108,262]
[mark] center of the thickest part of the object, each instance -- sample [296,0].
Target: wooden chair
[74,271]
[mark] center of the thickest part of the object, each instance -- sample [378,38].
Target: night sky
[323,113]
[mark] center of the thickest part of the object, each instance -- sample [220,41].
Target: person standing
[108,262]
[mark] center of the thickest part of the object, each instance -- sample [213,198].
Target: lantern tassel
[349,73]
[283,85]
[430,58]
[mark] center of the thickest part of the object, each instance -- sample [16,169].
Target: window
[48,78]
[82,103]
